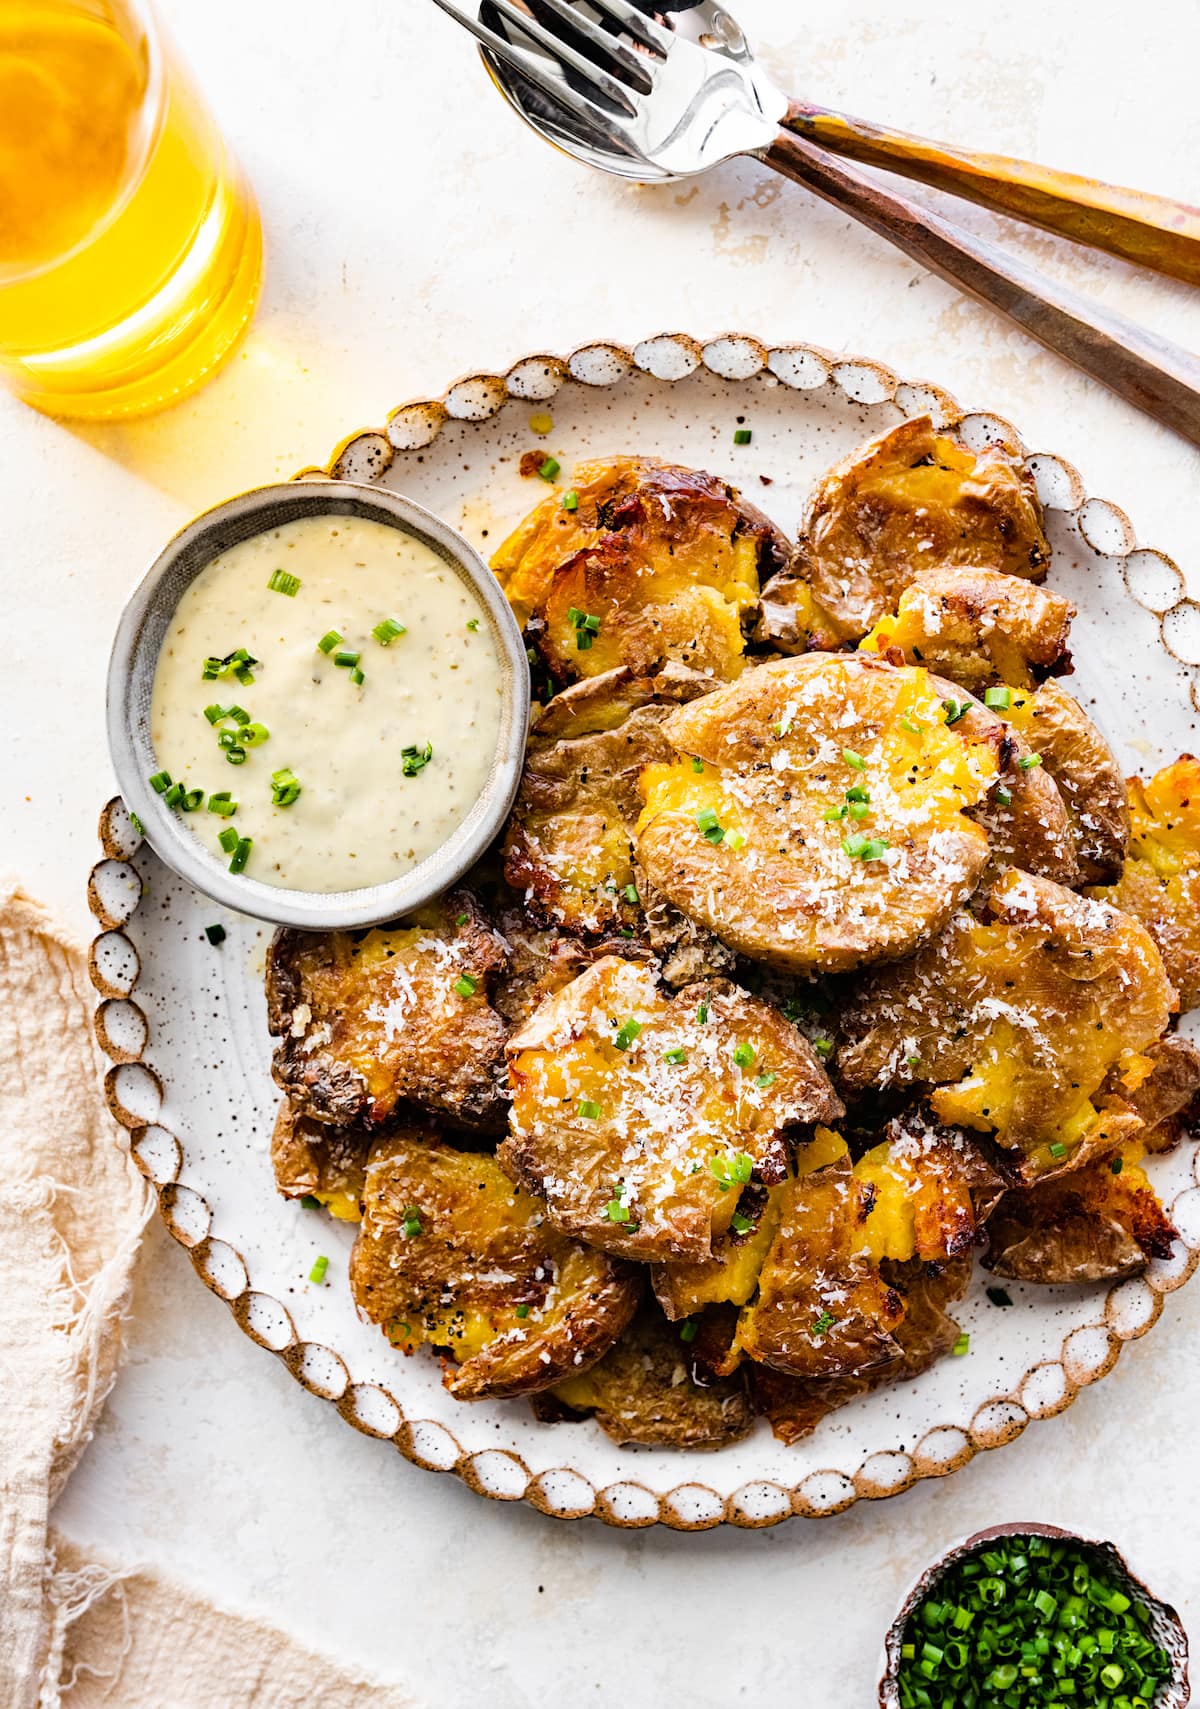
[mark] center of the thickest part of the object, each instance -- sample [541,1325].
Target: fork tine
[530,65]
[646,30]
[613,47]
[567,55]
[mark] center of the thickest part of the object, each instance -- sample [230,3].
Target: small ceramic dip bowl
[334,705]
[1165,1627]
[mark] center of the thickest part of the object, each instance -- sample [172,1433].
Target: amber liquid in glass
[130,247]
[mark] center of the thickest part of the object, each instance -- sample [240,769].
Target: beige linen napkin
[75,1632]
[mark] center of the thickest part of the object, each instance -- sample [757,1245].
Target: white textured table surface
[409,243]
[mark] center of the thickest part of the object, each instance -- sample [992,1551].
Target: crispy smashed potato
[400,1016]
[909,500]
[1097,1224]
[644,1390]
[1014,1017]
[654,563]
[1160,884]
[816,816]
[977,627]
[794,1406]
[641,1118]
[1073,752]
[1161,1087]
[312,1160]
[453,1256]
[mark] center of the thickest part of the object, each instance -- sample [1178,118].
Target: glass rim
[151,114]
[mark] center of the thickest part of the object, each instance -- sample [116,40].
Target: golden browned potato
[1014,1017]
[909,500]
[644,1390]
[453,1256]
[312,1160]
[1073,752]
[642,1118]
[794,1406]
[817,815]
[977,627]
[399,1016]
[822,1309]
[1160,884]
[653,563]
[1098,1223]
[1160,1086]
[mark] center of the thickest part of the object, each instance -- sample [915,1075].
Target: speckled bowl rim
[134,658]
[1088,1352]
[1167,1626]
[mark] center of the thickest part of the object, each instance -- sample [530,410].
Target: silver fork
[645,101]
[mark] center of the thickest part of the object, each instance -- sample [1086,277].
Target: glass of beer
[130,246]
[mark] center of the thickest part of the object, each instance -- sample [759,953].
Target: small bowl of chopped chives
[318,699]
[1027,1616]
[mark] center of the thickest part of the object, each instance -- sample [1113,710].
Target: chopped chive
[229,839]
[192,798]
[741,436]
[414,760]
[630,894]
[215,713]
[741,1224]
[227,739]
[254,735]
[411,1223]
[160,782]
[346,660]
[823,1048]
[911,725]
[616,1210]
[1004,796]
[317,1273]
[735,840]
[329,641]
[222,803]
[678,1056]
[239,715]
[823,1323]
[1116,1165]
[999,699]
[687,1331]
[570,500]
[549,468]
[387,631]
[956,709]
[626,1033]
[1029,761]
[1058,1149]
[857,809]
[136,822]
[858,793]
[999,1296]
[733,1169]
[962,1345]
[854,760]
[522,1311]
[357,677]
[285,787]
[697,765]
[210,670]
[241,854]
[461,920]
[472,624]
[215,934]
[174,795]
[859,847]
[465,985]
[762,1081]
[589,1111]
[282,582]
[783,728]
[832,813]
[236,755]
[310,1203]
[702,1013]
[743,1054]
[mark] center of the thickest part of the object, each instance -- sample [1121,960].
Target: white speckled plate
[184,1024]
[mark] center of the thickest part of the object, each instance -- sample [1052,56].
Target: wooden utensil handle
[1159,377]
[1150,230]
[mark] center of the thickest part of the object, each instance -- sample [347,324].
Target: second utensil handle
[1157,376]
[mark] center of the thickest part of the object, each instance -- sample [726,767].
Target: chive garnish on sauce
[413,760]
[282,582]
[387,631]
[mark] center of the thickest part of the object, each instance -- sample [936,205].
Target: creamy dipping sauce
[356,781]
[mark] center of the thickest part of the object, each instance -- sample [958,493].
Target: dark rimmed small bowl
[1165,1623]
[139,637]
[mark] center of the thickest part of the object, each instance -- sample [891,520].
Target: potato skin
[911,499]
[667,559]
[622,1142]
[794,1406]
[1075,754]
[1160,884]
[1014,1017]
[1089,1226]
[977,627]
[371,1024]
[485,1276]
[311,1158]
[645,1391]
[769,751]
